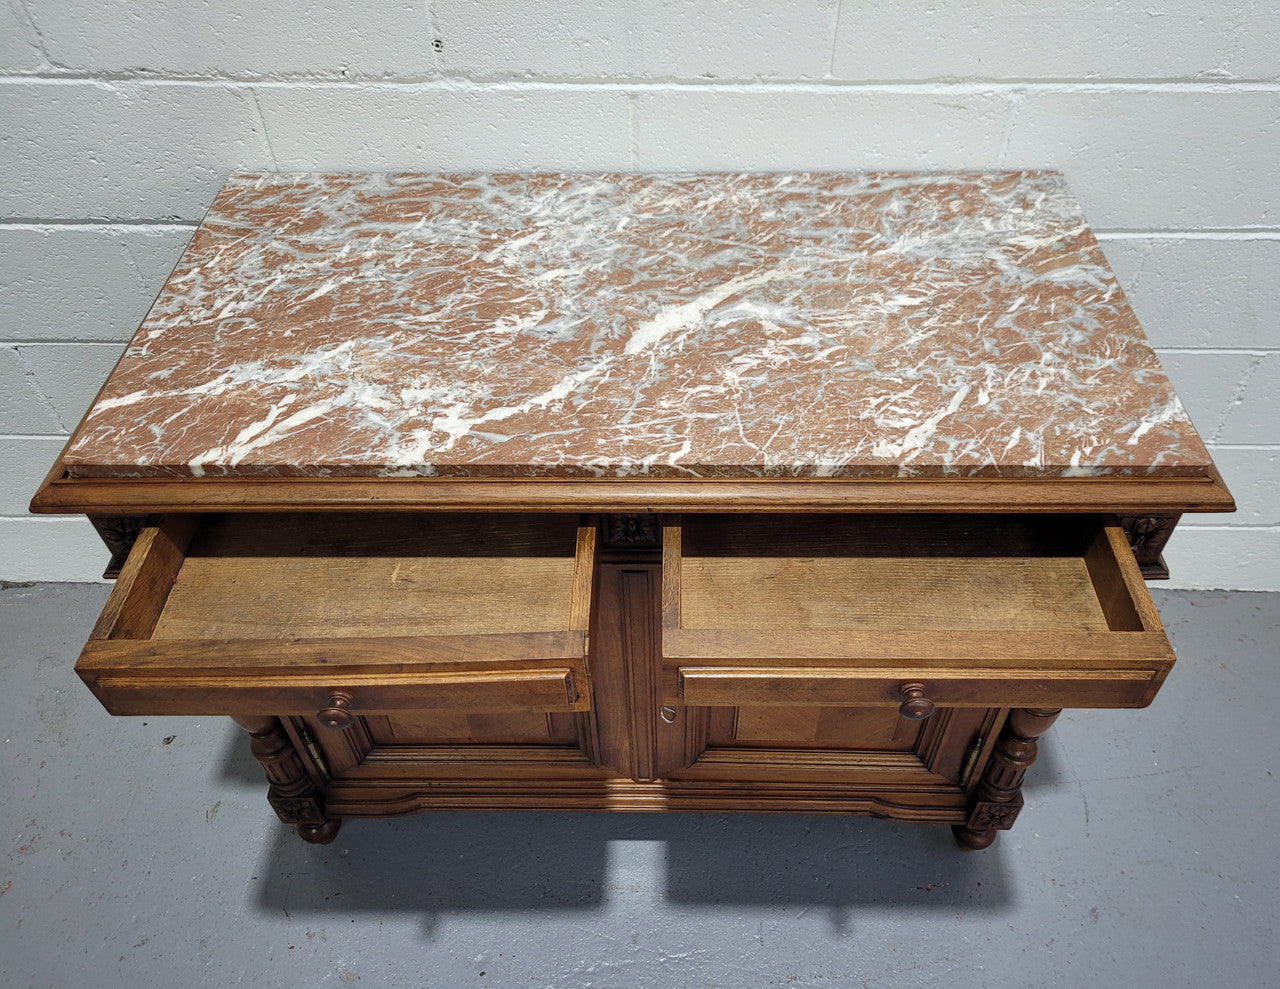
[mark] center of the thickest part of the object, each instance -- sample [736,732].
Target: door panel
[480,727]
[866,728]
[834,745]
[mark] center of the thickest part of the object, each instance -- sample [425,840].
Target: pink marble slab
[810,325]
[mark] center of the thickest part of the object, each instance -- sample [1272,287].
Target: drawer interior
[901,573]
[286,576]
[353,613]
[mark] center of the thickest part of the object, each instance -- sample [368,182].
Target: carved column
[293,795]
[998,798]
[626,629]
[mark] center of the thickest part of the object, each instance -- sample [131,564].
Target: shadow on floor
[438,863]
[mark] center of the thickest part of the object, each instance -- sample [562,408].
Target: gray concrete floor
[141,852]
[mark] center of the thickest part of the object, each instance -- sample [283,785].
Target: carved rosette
[988,815]
[999,795]
[119,532]
[1147,536]
[631,530]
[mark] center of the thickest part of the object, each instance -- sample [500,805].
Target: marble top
[801,325]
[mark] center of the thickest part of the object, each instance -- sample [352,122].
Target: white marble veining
[808,325]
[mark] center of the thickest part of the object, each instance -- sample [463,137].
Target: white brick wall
[398,127]
[121,118]
[796,126]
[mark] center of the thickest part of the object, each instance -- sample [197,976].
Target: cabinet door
[851,747]
[881,653]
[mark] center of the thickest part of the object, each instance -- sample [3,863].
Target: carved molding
[1147,535]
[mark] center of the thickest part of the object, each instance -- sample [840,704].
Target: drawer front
[1048,612]
[359,676]
[743,686]
[221,616]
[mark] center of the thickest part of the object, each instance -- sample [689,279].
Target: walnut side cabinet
[814,492]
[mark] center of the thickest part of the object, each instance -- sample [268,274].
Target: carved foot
[998,798]
[320,834]
[292,794]
[973,841]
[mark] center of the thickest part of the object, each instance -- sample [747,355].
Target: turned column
[292,795]
[998,798]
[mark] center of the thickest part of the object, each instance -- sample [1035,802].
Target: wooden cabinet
[804,492]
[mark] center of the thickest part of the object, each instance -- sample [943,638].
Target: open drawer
[339,615]
[910,611]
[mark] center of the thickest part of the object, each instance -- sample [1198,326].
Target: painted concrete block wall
[120,119]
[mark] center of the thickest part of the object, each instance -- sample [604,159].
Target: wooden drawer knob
[338,714]
[915,705]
